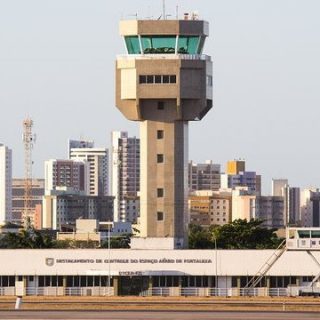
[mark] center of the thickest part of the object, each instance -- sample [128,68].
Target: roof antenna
[164,9]
[177,12]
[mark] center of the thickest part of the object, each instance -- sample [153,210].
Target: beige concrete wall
[169,175]
[163,27]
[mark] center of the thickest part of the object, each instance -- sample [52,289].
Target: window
[173,79]
[160,105]
[142,79]
[157,79]
[188,44]
[133,45]
[160,158]
[158,44]
[160,216]
[160,192]
[166,79]
[150,79]
[160,134]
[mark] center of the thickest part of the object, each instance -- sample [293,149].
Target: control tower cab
[163,81]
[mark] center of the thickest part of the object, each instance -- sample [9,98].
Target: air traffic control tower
[164,81]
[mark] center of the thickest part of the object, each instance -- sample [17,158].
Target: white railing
[7,291]
[164,56]
[166,291]
[69,291]
[218,292]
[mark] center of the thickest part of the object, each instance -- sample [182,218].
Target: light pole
[109,271]
[216,261]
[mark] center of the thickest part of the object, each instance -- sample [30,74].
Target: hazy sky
[57,65]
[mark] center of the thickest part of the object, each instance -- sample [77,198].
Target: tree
[26,239]
[243,234]
[239,234]
[200,238]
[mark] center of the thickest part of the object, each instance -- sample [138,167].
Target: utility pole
[28,141]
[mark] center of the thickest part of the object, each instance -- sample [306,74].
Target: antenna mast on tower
[28,141]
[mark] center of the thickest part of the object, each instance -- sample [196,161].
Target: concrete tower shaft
[164,81]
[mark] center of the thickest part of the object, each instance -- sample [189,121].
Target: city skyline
[264,81]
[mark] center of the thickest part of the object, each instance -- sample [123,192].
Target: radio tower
[28,141]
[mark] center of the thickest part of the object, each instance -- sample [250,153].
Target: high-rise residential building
[292,206]
[203,176]
[243,204]
[291,195]
[131,206]
[247,205]
[5,184]
[270,209]
[79,144]
[97,159]
[243,179]
[210,207]
[72,174]
[125,177]
[65,208]
[310,207]
[37,191]
[237,176]
[293,211]
[234,167]
[164,81]
[278,186]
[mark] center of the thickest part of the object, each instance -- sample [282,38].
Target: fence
[166,291]
[218,292]
[69,291]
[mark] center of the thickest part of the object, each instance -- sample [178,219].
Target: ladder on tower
[267,266]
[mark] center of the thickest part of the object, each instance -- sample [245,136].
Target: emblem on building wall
[49,262]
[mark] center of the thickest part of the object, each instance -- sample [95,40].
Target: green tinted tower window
[188,44]
[158,44]
[133,45]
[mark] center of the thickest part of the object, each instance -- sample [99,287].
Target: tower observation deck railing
[164,56]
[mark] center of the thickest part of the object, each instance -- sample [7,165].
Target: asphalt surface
[154,315]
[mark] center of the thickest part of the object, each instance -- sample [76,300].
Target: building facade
[98,164]
[247,205]
[310,207]
[100,272]
[66,173]
[234,167]
[5,184]
[125,167]
[37,192]
[203,176]
[79,144]
[210,208]
[247,179]
[278,186]
[63,209]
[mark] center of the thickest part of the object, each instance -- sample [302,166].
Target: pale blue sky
[57,65]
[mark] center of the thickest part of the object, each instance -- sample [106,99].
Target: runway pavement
[154,315]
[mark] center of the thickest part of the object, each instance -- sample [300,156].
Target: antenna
[164,9]
[177,12]
[133,15]
[28,141]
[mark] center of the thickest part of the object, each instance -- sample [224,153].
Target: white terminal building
[164,81]
[289,271]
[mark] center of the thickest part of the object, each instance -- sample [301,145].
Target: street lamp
[109,255]
[216,258]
